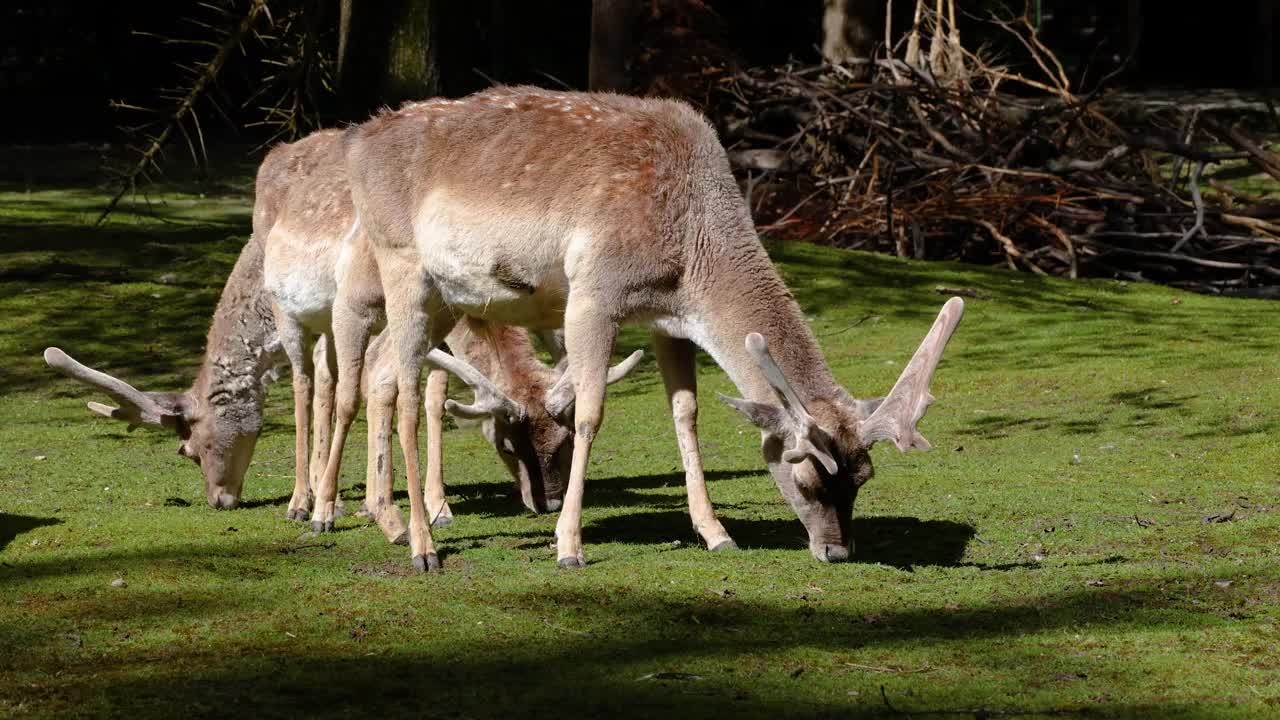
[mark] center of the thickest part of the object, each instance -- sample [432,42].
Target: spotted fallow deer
[321,275]
[219,418]
[538,208]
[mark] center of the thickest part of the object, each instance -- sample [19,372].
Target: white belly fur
[301,290]
[461,250]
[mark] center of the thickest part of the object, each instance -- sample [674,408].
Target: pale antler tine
[479,383]
[136,406]
[804,449]
[473,411]
[624,368]
[906,403]
[562,393]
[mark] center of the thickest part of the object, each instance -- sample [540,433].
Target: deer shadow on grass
[500,498]
[901,542]
[11,526]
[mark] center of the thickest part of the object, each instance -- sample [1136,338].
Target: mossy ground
[1052,553]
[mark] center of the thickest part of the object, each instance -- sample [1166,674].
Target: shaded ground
[1096,531]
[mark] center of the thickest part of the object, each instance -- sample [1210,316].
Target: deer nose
[833,553]
[553,504]
[223,501]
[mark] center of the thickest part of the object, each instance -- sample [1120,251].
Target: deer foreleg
[589,336]
[293,340]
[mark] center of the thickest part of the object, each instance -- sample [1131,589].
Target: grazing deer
[535,451]
[524,206]
[320,273]
[219,418]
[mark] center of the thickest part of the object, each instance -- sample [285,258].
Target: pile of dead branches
[945,153]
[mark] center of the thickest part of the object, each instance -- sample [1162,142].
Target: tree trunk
[1265,45]
[386,54]
[1134,26]
[612,26]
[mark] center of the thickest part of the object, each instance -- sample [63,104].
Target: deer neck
[746,296]
[239,350]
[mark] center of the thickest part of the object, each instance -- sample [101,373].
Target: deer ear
[896,416]
[769,418]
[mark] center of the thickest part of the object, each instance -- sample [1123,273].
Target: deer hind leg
[437,506]
[379,478]
[325,364]
[351,329]
[679,373]
[589,334]
[293,340]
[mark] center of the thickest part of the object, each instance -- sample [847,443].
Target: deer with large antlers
[524,206]
[219,418]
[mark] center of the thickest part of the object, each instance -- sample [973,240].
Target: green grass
[1052,552]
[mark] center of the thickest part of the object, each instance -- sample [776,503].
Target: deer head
[530,427]
[817,451]
[217,425]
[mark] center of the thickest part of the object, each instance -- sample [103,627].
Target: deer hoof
[426,563]
[571,562]
[401,539]
[321,526]
[725,546]
[442,521]
[339,510]
[298,514]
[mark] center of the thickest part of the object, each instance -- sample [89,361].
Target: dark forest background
[62,62]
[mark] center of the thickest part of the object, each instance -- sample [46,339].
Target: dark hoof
[318,526]
[725,546]
[426,563]
[442,521]
[339,511]
[298,514]
[570,562]
[401,539]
